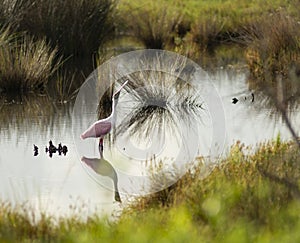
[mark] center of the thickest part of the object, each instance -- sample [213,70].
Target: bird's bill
[117,93]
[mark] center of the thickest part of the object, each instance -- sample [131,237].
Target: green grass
[245,198]
[206,23]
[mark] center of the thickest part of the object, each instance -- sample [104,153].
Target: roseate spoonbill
[103,167]
[102,127]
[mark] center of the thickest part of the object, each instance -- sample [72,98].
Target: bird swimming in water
[52,148]
[36,150]
[64,149]
[234,100]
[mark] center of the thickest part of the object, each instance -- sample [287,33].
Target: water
[53,184]
[47,184]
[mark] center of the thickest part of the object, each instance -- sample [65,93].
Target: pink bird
[102,127]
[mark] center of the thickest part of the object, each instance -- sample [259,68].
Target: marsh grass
[247,197]
[253,190]
[78,28]
[25,64]
[157,26]
[272,49]
[208,33]
[66,87]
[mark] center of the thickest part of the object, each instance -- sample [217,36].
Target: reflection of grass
[22,115]
[25,64]
[246,198]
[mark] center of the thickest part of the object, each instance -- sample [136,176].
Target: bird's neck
[113,109]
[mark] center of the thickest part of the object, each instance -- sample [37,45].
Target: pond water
[53,184]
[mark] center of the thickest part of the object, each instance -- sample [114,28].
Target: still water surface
[53,184]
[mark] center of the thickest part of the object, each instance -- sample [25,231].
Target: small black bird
[52,148]
[36,150]
[64,149]
[60,147]
[234,100]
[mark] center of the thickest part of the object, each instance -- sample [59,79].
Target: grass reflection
[27,113]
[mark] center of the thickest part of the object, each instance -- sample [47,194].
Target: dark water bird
[52,148]
[103,167]
[64,149]
[36,150]
[234,100]
[60,148]
[102,127]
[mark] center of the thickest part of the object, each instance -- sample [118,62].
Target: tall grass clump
[273,45]
[208,33]
[25,64]
[78,28]
[255,194]
[157,26]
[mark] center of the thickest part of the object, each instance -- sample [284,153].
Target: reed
[272,49]
[156,26]
[25,64]
[78,28]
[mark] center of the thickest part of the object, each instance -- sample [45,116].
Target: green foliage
[156,25]
[245,198]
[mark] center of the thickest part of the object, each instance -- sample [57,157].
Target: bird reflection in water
[103,167]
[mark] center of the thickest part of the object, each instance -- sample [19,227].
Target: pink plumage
[98,129]
[102,127]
